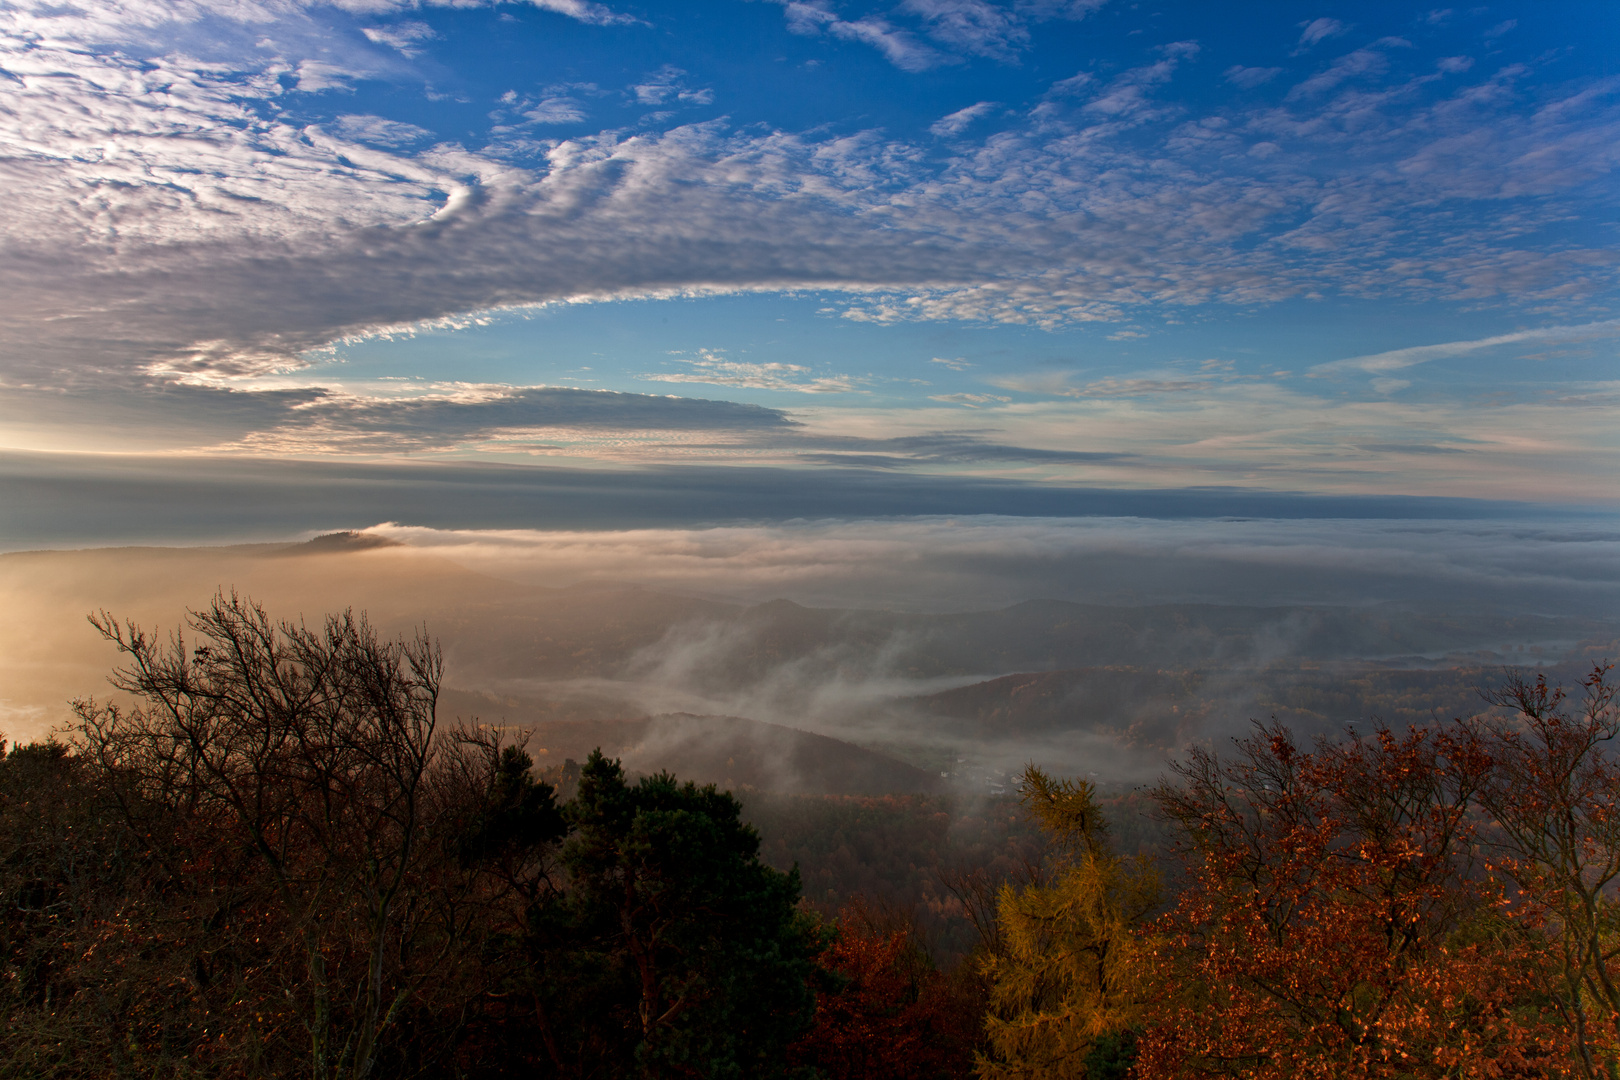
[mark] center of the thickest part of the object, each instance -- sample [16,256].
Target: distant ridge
[731,751]
[347,540]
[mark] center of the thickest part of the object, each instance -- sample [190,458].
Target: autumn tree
[1066,975]
[1335,921]
[1552,790]
[884,1009]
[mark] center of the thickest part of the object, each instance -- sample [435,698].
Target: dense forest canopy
[273,856]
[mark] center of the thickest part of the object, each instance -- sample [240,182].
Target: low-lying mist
[961,564]
[955,650]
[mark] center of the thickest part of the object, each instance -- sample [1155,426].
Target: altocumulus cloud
[173,225]
[172,218]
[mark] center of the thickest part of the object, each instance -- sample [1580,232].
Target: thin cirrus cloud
[900,47]
[1356,65]
[712,368]
[1130,93]
[407,37]
[1319,30]
[955,29]
[599,424]
[1398,359]
[583,10]
[959,121]
[1250,77]
[1062,384]
[668,85]
[932,448]
[971,401]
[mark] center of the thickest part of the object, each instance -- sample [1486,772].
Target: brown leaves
[1338,919]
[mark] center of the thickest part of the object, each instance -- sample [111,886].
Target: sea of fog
[962,646]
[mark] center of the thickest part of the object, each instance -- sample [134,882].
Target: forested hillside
[272,855]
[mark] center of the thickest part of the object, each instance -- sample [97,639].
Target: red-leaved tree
[885,1011]
[1337,920]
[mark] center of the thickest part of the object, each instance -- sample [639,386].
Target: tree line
[272,858]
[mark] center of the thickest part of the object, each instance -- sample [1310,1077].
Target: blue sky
[1365,250]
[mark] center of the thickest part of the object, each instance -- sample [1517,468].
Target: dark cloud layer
[170,416]
[76,500]
[177,415]
[939,448]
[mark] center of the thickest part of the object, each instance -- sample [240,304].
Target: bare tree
[315,751]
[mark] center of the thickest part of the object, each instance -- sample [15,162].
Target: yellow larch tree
[1067,971]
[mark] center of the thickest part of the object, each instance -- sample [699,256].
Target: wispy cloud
[959,121]
[668,85]
[936,447]
[712,368]
[380,131]
[406,36]
[556,110]
[1397,359]
[1362,63]
[583,10]
[972,401]
[1319,30]
[1250,77]
[1127,94]
[314,76]
[1062,384]
[972,26]
[900,47]
[957,28]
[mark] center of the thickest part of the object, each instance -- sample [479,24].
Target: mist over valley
[758,691]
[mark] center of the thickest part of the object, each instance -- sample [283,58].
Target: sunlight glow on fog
[653,620]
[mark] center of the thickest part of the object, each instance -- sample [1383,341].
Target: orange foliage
[1335,921]
[1552,793]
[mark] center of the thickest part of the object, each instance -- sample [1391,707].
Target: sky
[755,259]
